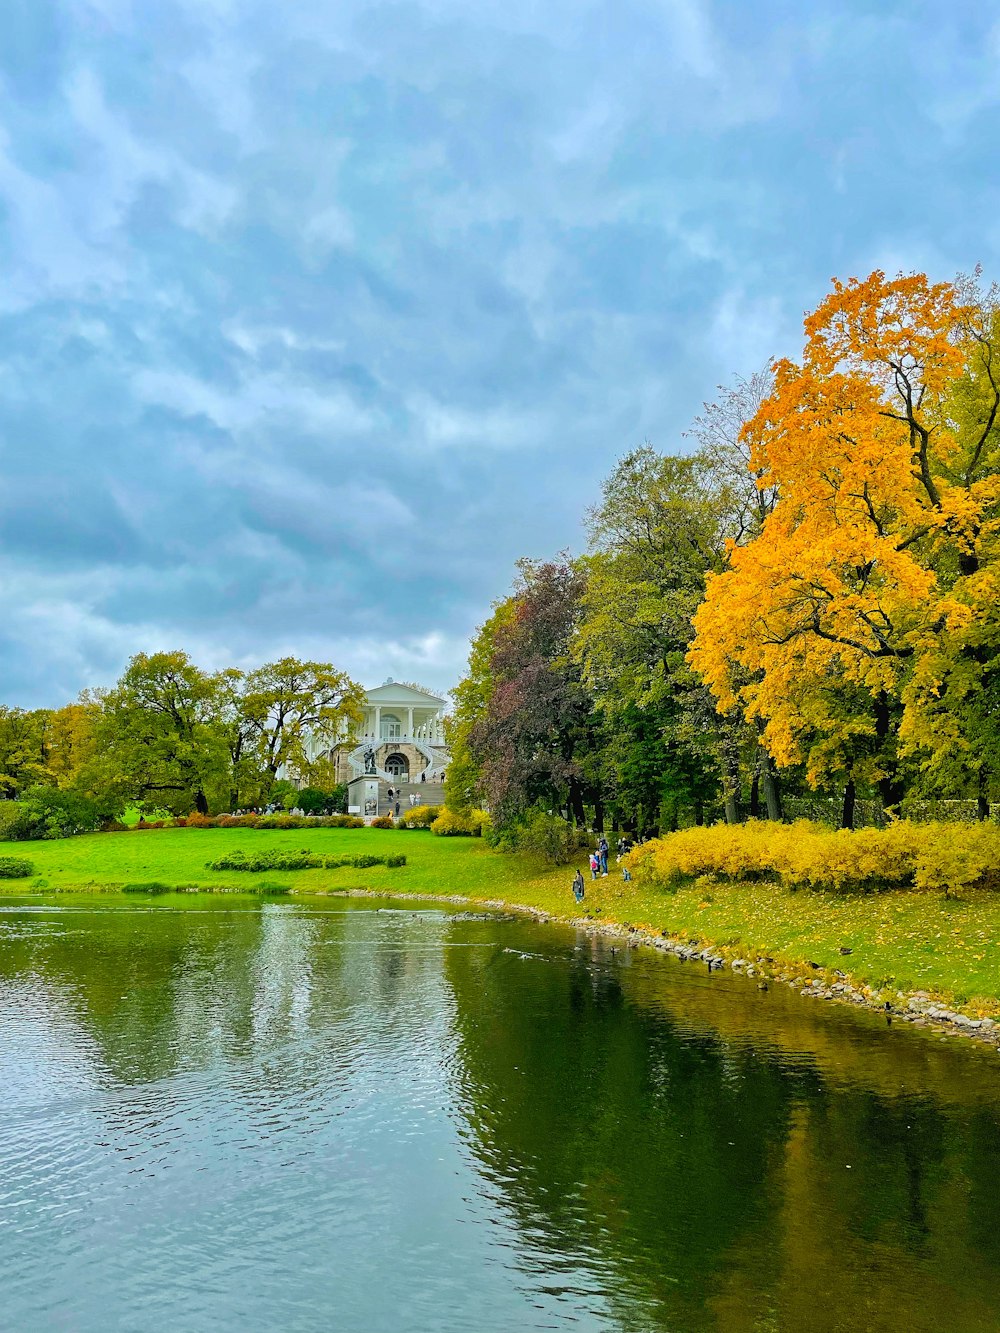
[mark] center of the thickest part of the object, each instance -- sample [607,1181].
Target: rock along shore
[915,1007]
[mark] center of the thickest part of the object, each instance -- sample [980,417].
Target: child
[595,865]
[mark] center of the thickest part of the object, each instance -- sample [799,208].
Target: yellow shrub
[938,856]
[452,824]
[420,816]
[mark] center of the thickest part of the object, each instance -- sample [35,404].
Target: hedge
[277,859]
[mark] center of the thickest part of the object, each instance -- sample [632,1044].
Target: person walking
[578,890]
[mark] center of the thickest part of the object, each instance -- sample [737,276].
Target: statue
[369,760]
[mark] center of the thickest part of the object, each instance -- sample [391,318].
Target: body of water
[228,1116]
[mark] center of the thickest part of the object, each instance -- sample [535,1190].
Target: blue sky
[316,316]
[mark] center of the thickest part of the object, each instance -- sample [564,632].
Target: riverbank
[929,959]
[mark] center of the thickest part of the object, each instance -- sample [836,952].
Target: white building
[400,739]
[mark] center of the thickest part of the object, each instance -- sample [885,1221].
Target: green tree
[24,753]
[290,703]
[656,531]
[161,738]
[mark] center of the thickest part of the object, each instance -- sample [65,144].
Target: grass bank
[899,942]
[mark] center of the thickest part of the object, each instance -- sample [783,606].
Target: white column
[378,723]
[409,722]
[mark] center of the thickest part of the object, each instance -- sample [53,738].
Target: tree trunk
[699,813]
[200,803]
[731,780]
[598,813]
[755,795]
[982,799]
[772,787]
[847,818]
[890,787]
[576,803]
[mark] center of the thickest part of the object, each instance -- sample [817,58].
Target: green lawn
[899,941]
[180,857]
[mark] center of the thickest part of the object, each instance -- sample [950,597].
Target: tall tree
[873,555]
[534,736]
[290,702]
[24,752]
[655,533]
[160,734]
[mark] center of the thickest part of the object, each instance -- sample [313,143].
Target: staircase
[356,758]
[427,793]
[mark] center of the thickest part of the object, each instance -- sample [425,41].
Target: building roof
[393,693]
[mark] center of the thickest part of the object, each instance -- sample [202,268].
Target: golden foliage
[809,855]
[874,560]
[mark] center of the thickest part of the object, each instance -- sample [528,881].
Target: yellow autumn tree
[878,553]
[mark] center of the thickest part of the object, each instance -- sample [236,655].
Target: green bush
[15,867]
[15,824]
[316,801]
[274,858]
[48,812]
[542,832]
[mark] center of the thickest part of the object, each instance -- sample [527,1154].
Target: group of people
[599,864]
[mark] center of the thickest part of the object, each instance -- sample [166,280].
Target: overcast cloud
[316,315]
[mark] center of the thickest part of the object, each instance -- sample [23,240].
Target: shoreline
[917,1008]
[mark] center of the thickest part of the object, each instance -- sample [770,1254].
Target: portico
[399,741]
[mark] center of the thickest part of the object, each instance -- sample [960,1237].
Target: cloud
[316,317]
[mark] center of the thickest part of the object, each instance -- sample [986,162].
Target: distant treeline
[170,737]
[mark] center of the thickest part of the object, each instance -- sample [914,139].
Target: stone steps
[427,793]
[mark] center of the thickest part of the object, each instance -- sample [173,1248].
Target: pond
[310,1115]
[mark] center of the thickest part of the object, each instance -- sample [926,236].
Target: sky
[314,317]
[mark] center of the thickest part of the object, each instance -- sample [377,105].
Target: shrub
[453,824]
[15,867]
[15,824]
[196,820]
[540,831]
[421,816]
[316,801]
[48,812]
[383,821]
[276,858]
[807,855]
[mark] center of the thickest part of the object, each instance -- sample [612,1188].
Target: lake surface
[234,1115]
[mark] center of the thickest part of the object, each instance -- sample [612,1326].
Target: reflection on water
[236,1116]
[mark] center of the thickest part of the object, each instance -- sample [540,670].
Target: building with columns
[400,741]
